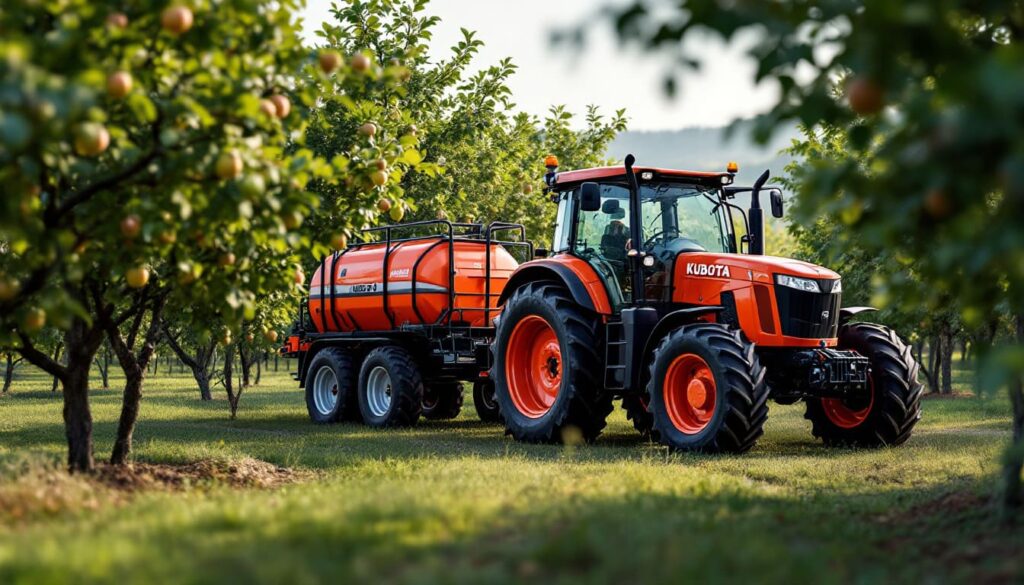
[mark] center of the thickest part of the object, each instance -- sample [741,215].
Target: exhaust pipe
[755,239]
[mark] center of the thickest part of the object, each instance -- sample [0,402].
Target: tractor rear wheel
[390,388]
[331,386]
[547,372]
[442,401]
[707,391]
[888,414]
[484,402]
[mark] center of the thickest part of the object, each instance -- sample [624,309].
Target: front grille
[806,314]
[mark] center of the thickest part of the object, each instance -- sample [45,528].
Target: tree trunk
[259,370]
[276,357]
[9,373]
[57,357]
[200,364]
[229,358]
[82,342]
[245,360]
[947,362]
[105,367]
[931,371]
[1014,462]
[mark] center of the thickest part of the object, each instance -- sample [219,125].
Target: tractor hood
[748,267]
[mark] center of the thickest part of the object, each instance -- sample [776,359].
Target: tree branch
[40,359]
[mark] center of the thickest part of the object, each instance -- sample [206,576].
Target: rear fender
[575,274]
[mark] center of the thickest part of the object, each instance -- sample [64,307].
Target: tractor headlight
[837,286]
[804,284]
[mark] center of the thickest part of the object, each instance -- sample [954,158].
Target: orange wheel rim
[690,393]
[533,366]
[845,415]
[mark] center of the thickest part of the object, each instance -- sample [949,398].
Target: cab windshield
[675,218]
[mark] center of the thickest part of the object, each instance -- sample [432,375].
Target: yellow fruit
[226,259]
[137,277]
[34,320]
[267,108]
[300,277]
[368,129]
[168,237]
[131,226]
[176,20]
[329,61]
[381,164]
[292,220]
[379,177]
[527,188]
[91,139]
[384,205]
[225,337]
[187,273]
[397,213]
[253,186]
[282,106]
[229,165]
[339,241]
[270,335]
[360,63]
[119,84]
[9,288]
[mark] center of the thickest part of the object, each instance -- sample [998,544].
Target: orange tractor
[648,295]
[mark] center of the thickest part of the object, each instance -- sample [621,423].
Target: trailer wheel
[484,401]
[442,401]
[707,391]
[330,386]
[547,369]
[888,415]
[390,388]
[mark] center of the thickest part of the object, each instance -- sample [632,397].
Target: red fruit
[384,205]
[117,20]
[226,259]
[329,61]
[131,226]
[267,108]
[119,84]
[865,96]
[368,129]
[91,139]
[361,63]
[937,204]
[176,20]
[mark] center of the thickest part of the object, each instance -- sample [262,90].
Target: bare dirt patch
[36,490]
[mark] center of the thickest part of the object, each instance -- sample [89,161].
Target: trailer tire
[331,386]
[894,406]
[484,401]
[390,388]
[442,401]
[707,391]
[547,371]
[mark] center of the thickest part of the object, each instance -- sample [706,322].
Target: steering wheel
[648,243]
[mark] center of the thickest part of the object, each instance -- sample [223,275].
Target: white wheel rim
[378,391]
[325,390]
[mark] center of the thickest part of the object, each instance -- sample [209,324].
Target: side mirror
[776,198]
[590,197]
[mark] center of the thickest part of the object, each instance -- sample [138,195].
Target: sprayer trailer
[648,296]
[395,324]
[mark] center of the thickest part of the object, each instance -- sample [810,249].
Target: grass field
[457,502]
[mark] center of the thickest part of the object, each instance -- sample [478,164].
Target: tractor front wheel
[707,391]
[888,413]
[547,372]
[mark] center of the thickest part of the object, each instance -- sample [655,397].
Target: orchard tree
[483,161]
[931,96]
[152,156]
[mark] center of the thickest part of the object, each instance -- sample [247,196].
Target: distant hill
[706,149]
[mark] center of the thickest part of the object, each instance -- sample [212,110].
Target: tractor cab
[673,212]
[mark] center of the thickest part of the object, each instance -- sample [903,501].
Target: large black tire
[731,418]
[390,371]
[333,372]
[580,405]
[635,406]
[484,401]
[895,403]
[442,401]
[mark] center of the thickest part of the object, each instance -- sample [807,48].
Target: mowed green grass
[458,502]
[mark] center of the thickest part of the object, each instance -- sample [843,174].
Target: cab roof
[572,177]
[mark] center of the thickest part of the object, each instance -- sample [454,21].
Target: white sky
[604,74]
